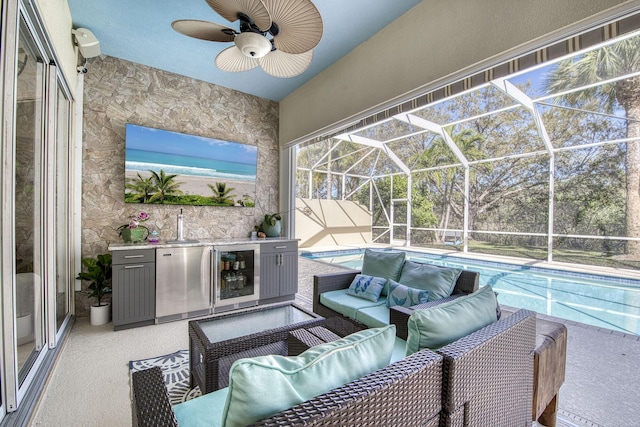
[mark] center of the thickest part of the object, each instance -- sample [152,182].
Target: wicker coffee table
[216,342]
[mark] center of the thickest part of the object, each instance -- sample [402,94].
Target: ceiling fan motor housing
[253,45]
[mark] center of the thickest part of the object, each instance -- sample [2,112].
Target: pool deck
[602,378]
[602,382]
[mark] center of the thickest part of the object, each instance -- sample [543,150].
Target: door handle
[133,256]
[133,266]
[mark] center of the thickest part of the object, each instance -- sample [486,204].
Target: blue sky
[536,77]
[163,141]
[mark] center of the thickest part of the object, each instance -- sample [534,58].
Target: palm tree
[164,186]
[141,188]
[221,193]
[614,60]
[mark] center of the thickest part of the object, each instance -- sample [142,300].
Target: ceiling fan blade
[281,64]
[299,22]
[233,60]
[204,30]
[254,9]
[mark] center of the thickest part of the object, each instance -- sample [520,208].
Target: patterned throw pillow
[366,287]
[405,296]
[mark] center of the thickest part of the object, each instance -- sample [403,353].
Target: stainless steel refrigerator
[183,282]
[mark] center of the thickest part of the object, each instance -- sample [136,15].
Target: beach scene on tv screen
[166,167]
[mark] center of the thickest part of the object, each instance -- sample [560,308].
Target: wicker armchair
[487,374]
[406,393]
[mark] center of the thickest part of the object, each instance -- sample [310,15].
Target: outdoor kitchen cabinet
[133,296]
[278,270]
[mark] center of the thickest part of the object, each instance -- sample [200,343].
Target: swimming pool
[601,301]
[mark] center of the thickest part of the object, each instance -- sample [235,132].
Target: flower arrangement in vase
[134,231]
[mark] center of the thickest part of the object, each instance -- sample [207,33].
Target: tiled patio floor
[602,383]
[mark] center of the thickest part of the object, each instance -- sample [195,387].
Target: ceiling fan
[278,35]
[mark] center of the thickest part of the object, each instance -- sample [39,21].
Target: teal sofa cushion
[373,317]
[386,264]
[346,304]
[438,326]
[262,386]
[405,296]
[367,287]
[439,281]
[203,411]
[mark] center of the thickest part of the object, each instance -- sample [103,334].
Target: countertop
[201,242]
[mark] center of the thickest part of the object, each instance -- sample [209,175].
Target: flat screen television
[172,168]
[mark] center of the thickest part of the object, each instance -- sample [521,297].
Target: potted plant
[134,231]
[98,274]
[271,226]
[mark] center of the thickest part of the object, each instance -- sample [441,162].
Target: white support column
[392,213]
[552,165]
[371,205]
[409,189]
[465,225]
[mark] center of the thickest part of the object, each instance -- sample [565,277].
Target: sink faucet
[180,226]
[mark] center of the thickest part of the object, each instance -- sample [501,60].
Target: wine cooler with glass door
[236,276]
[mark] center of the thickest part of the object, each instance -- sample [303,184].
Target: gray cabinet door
[269,275]
[134,294]
[289,273]
[278,269]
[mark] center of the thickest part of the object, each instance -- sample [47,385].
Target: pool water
[602,301]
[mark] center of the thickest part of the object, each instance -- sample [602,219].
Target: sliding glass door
[61,299]
[29,169]
[36,271]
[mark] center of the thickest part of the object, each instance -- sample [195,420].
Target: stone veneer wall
[117,92]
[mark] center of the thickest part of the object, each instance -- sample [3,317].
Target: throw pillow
[439,281]
[385,264]
[263,386]
[438,326]
[367,287]
[405,296]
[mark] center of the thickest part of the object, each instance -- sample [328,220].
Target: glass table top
[224,328]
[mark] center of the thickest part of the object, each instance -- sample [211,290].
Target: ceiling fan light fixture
[253,45]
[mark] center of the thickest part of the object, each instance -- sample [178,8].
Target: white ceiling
[140,31]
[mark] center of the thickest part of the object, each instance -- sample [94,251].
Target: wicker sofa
[467,282]
[480,379]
